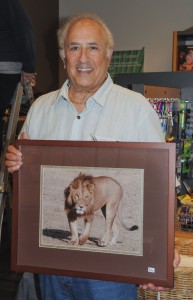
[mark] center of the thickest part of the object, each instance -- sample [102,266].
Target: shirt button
[78,117]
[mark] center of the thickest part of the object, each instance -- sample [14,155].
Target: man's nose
[83,54]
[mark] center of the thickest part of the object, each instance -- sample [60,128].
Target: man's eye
[74,48]
[93,48]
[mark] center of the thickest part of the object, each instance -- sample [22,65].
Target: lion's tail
[132,228]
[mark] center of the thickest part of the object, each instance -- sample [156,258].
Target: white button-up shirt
[113,113]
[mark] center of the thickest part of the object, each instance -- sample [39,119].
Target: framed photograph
[100,210]
[182,58]
[185,58]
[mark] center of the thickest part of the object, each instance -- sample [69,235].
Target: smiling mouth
[84,69]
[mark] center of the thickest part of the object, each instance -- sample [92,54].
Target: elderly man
[88,106]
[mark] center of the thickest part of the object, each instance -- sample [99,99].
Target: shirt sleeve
[150,129]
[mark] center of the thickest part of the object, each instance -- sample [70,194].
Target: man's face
[87,59]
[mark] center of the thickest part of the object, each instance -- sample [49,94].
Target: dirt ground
[54,227]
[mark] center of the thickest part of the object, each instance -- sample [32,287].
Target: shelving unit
[174,85]
[181,80]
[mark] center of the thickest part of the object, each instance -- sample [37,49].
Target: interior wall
[137,24]
[45,20]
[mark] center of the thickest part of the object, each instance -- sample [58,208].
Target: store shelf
[179,83]
[180,79]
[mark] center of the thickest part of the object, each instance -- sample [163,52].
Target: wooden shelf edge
[183,234]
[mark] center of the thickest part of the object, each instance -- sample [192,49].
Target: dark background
[45,22]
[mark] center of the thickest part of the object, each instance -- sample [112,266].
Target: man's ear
[109,53]
[62,55]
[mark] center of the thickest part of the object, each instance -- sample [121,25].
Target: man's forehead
[85,26]
[86,32]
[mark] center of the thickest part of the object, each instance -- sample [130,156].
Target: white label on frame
[151,270]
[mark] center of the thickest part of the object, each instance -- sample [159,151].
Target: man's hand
[13,157]
[151,286]
[176,258]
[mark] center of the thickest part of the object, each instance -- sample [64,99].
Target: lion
[85,195]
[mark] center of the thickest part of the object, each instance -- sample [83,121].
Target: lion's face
[81,197]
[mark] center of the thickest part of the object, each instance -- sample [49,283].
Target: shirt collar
[100,96]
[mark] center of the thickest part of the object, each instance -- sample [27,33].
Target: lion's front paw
[74,242]
[82,239]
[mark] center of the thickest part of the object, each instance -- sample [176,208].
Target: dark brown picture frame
[158,162]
